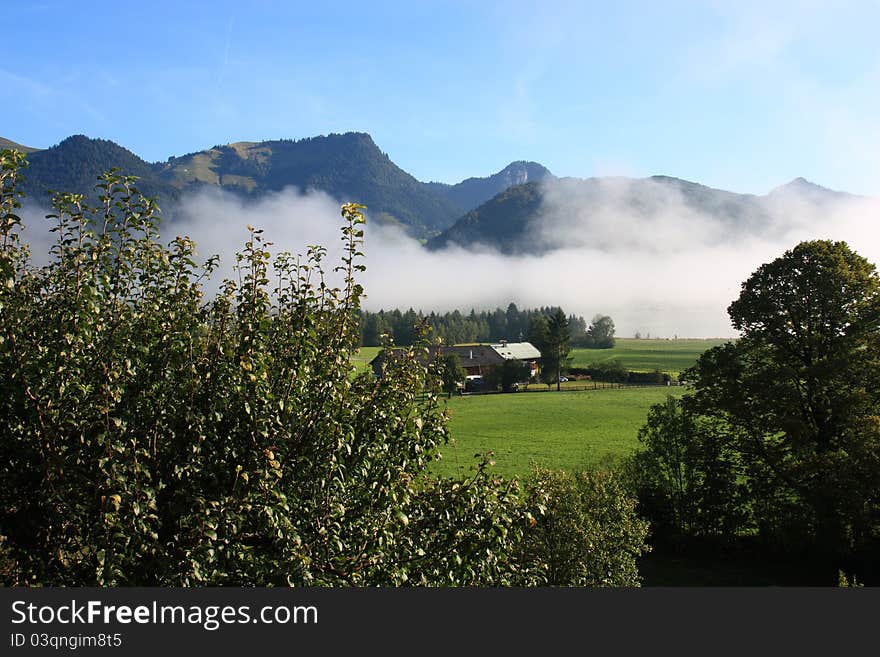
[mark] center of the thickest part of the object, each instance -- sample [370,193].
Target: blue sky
[740,95]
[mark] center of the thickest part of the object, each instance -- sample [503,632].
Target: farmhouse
[476,360]
[479,359]
[524,351]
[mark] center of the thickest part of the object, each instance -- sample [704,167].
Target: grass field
[365,354]
[568,429]
[671,356]
[562,430]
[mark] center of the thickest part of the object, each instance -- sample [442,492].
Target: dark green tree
[801,388]
[537,333]
[793,404]
[600,334]
[515,329]
[688,475]
[452,374]
[555,357]
[372,329]
[577,327]
[497,325]
[509,373]
[455,327]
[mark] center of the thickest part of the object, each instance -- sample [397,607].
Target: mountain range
[516,210]
[348,167]
[538,217]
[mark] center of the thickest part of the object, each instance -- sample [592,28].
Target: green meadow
[671,356]
[561,430]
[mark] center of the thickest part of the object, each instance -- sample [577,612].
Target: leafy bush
[613,371]
[507,374]
[609,370]
[153,437]
[584,530]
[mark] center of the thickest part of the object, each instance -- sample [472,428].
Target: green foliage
[584,530]
[153,437]
[600,334]
[793,405]
[846,582]
[609,370]
[549,344]
[555,350]
[455,327]
[10,574]
[452,374]
[801,391]
[538,333]
[613,371]
[507,374]
[687,475]
[463,532]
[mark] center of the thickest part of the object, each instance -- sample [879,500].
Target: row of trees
[152,436]
[513,325]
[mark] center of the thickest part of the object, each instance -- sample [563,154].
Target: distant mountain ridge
[348,167]
[499,223]
[513,211]
[74,165]
[473,192]
[805,189]
[534,217]
[8,143]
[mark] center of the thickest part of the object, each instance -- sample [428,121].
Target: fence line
[597,385]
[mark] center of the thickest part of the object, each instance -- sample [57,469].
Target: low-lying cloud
[655,264]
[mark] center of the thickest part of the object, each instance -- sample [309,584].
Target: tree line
[455,327]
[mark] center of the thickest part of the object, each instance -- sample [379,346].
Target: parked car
[473,384]
[563,379]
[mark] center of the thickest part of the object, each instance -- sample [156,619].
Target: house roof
[478,355]
[516,350]
[481,355]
